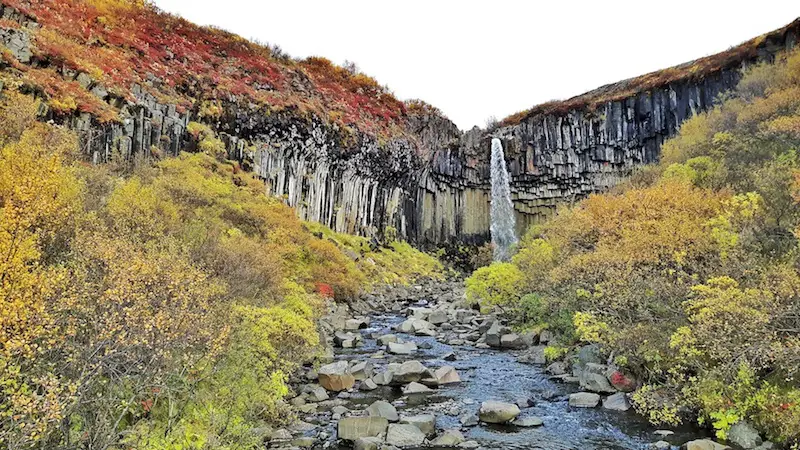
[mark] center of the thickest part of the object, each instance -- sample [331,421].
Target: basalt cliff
[329,141]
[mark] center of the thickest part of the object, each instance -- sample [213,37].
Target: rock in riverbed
[353,428]
[498,412]
[404,435]
[584,400]
[336,377]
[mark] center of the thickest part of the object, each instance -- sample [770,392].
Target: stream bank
[414,368]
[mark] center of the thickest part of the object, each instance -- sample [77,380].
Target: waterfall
[502,211]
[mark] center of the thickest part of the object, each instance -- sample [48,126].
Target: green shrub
[496,285]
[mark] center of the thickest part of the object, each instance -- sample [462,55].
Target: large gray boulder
[383,409]
[449,438]
[361,370]
[446,375]
[336,377]
[498,412]
[368,443]
[405,348]
[744,435]
[593,378]
[584,400]
[512,341]
[425,422]
[617,402]
[409,371]
[352,428]
[416,388]
[404,435]
[438,317]
[494,334]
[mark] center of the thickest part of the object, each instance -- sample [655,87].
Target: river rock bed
[415,368]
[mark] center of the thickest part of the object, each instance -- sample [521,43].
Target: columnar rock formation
[431,182]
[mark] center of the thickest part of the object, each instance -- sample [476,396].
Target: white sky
[493,58]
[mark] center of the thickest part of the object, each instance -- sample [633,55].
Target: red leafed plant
[325,290]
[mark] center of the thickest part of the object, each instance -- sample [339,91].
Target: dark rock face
[432,185]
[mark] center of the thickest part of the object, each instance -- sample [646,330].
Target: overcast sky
[474,60]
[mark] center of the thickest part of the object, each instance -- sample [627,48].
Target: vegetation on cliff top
[689,273]
[157,306]
[123,45]
[693,70]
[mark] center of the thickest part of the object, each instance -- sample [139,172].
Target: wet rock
[449,356]
[409,371]
[446,375]
[617,402]
[416,388]
[449,438]
[367,385]
[512,341]
[661,445]
[525,402]
[352,428]
[557,368]
[663,433]
[426,423]
[589,354]
[469,444]
[744,435]
[356,324]
[592,378]
[362,370]
[469,419]
[384,409]
[388,338]
[584,400]
[346,339]
[304,442]
[494,334]
[498,412]
[404,435]
[425,345]
[529,422]
[406,348]
[703,444]
[368,443]
[535,355]
[336,377]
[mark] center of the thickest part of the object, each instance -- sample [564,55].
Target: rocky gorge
[429,181]
[417,368]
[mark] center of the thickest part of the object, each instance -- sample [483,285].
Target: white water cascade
[502,210]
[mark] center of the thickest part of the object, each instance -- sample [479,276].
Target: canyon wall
[432,184]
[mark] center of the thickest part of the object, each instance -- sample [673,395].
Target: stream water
[496,375]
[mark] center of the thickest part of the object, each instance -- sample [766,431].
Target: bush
[496,285]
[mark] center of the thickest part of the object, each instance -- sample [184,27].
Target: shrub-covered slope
[156,306]
[688,274]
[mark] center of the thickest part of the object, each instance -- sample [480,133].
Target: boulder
[336,377]
[545,336]
[498,412]
[703,444]
[368,385]
[353,428]
[557,368]
[661,445]
[494,334]
[592,378]
[317,394]
[404,435]
[617,402]
[446,375]
[426,423]
[512,340]
[586,355]
[355,324]
[387,338]
[383,378]
[384,409]
[529,422]
[405,348]
[409,371]
[469,420]
[448,357]
[361,370]
[584,400]
[449,438]
[416,388]
[438,317]
[621,381]
[368,443]
[744,435]
[535,355]
[346,339]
